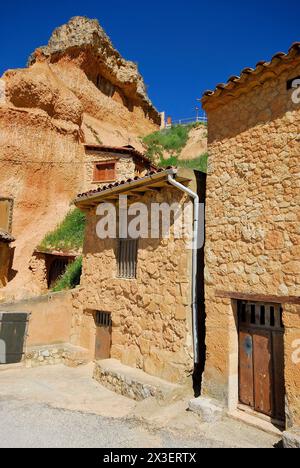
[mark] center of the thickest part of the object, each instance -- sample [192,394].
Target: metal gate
[103,335]
[13,331]
[261,358]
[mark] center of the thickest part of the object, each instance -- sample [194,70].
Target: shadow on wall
[13,330]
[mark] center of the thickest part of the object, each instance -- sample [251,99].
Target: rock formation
[76,90]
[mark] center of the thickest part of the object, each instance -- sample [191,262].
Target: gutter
[195,317]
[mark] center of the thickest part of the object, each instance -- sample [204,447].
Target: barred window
[103,319]
[127,258]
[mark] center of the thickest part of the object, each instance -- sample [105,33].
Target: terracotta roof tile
[129,150]
[234,81]
[120,183]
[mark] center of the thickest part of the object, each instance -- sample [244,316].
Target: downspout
[195,318]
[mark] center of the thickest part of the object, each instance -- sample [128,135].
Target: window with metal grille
[261,315]
[103,319]
[127,258]
[105,171]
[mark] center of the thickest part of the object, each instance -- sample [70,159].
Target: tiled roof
[91,193]
[246,74]
[6,237]
[127,150]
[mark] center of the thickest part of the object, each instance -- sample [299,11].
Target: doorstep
[134,383]
[255,420]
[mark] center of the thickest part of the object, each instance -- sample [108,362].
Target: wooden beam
[258,297]
[147,189]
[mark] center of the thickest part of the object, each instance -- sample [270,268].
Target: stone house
[6,252]
[108,164]
[102,165]
[252,253]
[135,302]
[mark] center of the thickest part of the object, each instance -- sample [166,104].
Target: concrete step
[134,383]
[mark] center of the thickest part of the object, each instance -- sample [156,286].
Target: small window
[127,258]
[103,319]
[105,171]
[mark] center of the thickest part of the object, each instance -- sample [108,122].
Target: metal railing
[200,119]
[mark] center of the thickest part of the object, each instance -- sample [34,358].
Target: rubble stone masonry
[252,219]
[151,315]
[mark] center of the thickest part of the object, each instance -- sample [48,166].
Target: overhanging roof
[133,188]
[249,74]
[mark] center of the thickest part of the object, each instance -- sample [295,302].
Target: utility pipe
[195,197]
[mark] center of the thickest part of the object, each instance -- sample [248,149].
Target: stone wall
[252,219]
[50,355]
[38,267]
[50,317]
[151,315]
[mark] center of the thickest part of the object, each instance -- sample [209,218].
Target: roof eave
[87,200]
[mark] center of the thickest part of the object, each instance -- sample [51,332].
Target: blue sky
[182,47]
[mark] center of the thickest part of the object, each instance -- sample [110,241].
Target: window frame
[111,162]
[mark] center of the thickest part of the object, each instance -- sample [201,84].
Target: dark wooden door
[13,329]
[103,336]
[261,358]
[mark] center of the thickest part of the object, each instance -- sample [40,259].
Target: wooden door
[261,359]
[13,330]
[103,335]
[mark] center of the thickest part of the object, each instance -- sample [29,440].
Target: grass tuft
[69,235]
[172,141]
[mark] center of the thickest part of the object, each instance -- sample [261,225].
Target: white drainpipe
[195,197]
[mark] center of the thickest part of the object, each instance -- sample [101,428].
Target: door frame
[233,365]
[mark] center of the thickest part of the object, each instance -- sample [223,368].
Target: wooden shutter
[105,171]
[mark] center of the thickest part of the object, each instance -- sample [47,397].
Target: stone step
[60,353]
[134,383]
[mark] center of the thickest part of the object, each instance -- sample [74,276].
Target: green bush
[70,278]
[197,164]
[69,235]
[172,141]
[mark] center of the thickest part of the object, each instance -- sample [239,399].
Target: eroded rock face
[85,41]
[38,87]
[76,90]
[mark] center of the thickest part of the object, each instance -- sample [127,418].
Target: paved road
[40,426]
[57,406]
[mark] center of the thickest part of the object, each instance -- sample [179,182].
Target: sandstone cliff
[76,90]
